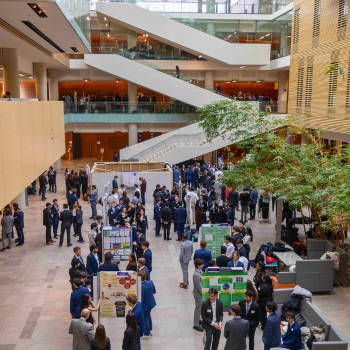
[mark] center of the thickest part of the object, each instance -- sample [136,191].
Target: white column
[211,28]
[10,72]
[283,82]
[132,134]
[210,6]
[132,95]
[40,80]
[209,79]
[53,84]
[57,165]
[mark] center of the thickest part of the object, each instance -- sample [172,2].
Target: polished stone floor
[35,291]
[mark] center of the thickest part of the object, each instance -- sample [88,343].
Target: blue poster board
[118,241]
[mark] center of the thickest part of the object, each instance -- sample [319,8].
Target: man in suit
[186,251]
[115,158]
[174,205]
[157,217]
[108,265]
[199,190]
[143,187]
[147,255]
[253,202]
[83,332]
[141,265]
[92,263]
[113,215]
[180,219]
[189,176]
[197,293]
[292,339]
[43,184]
[93,202]
[251,313]
[19,224]
[212,315]
[72,197]
[236,330]
[272,330]
[203,254]
[48,222]
[55,217]
[240,248]
[202,203]
[115,183]
[66,217]
[176,177]
[166,219]
[77,255]
[233,199]
[138,244]
[53,174]
[213,210]
[75,297]
[222,260]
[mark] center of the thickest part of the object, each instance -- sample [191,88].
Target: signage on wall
[139,136]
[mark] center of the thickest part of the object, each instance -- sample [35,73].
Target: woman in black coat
[131,333]
[260,271]
[264,295]
[74,271]
[142,222]
[101,342]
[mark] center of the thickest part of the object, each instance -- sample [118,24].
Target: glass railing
[102,107]
[281,52]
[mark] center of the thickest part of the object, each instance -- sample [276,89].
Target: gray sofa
[313,275]
[334,340]
[317,247]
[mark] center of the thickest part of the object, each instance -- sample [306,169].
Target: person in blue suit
[72,197]
[195,176]
[19,224]
[113,215]
[213,210]
[180,219]
[240,248]
[272,330]
[176,177]
[93,202]
[137,310]
[141,265]
[119,207]
[115,157]
[55,211]
[189,176]
[148,301]
[75,297]
[115,183]
[108,265]
[147,255]
[92,263]
[235,262]
[157,217]
[291,339]
[203,254]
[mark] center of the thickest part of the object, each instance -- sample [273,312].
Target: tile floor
[35,291]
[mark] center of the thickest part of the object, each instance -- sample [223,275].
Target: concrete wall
[152,179]
[31,139]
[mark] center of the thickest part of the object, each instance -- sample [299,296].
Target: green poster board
[214,235]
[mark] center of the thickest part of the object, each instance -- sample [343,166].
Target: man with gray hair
[83,332]
[186,251]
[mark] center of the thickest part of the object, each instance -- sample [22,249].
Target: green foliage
[303,175]
[336,67]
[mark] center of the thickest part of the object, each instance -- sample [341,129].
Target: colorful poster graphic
[118,241]
[114,287]
[214,235]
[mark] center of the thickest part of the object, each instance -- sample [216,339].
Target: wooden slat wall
[331,45]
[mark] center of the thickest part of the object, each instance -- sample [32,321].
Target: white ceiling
[55,26]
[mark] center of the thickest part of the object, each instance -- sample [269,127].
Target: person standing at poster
[186,251]
[157,217]
[147,255]
[197,293]
[137,310]
[143,189]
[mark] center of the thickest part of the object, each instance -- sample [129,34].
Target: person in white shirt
[244,260]
[229,246]
[137,189]
[92,235]
[121,190]
[218,173]
[113,198]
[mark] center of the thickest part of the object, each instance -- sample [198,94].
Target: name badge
[253,311]
[208,310]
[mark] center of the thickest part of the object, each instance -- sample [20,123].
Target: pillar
[209,79]
[53,84]
[57,165]
[207,157]
[132,39]
[199,6]
[10,72]
[284,40]
[283,82]
[211,28]
[278,225]
[40,81]
[132,134]
[210,6]
[132,95]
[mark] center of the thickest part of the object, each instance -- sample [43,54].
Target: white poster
[130,178]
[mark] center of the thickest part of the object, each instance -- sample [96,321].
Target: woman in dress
[123,217]
[260,271]
[142,221]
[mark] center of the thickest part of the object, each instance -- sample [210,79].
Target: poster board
[214,235]
[130,178]
[118,241]
[231,285]
[114,287]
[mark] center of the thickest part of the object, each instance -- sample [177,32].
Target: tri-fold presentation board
[118,241]
[214,235]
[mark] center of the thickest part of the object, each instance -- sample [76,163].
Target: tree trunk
[322,233]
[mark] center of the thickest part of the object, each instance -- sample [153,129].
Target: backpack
[292,305]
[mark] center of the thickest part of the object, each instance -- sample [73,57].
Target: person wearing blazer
[186,251]
[137,310]
[131,333]
[157,217]
[222,260]
[272,330]
[83,332]
[147,255]
[197,293]
[141,265]
[66,217]
[93,261]
[115,183]
[78,222]
[77,255]
[48,222]
[166,220]
[75,297]
[148,301]
[251,313]
[236,330]
[19,224]
[142,222]
[235,262]
[113,215]
[55,211]
[292,338]
[93,202]
[180,219]
[203,254]
[212,315]
[138,244]
[108,265]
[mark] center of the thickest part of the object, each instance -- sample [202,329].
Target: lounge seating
[334,340]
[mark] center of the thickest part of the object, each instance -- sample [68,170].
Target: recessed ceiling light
[87,80]
[241,67]
[229,36]
[262,37]
[200,56]
[106,25]
[267,34]
[105,18]
[21,75]
[258,81]
[117,81]
[31,77]
[146,35]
